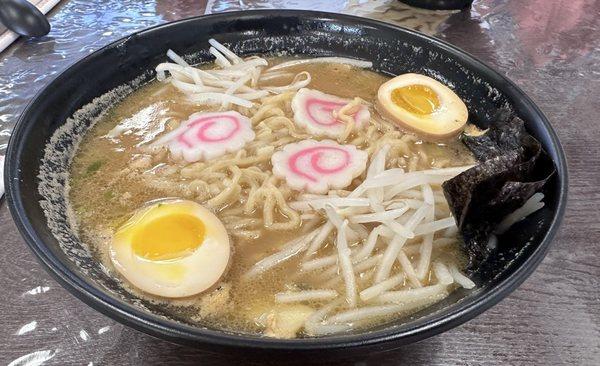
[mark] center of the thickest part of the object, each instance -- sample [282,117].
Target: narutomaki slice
[313,110]
[208,135]
[318,166]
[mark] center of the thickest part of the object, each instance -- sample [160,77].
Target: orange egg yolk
[417,99]
[168,237]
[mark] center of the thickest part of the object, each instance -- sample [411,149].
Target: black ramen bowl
[392,50]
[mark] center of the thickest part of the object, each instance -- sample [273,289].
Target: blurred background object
[396,12]
[23,18]
[439,4]
[20,17]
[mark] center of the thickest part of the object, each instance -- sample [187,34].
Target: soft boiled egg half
[422,105]
[172,249]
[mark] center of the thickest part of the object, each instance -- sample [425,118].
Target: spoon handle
[7,37]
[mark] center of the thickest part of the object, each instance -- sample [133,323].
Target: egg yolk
[417,99]
[168,237]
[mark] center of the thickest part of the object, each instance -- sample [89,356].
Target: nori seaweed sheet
[513,167]
[498,140]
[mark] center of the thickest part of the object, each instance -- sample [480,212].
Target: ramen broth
[113,176]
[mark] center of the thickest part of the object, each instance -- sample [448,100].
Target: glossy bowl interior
[392,50]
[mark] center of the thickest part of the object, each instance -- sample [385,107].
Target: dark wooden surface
[550,48]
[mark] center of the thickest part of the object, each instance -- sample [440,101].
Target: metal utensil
[23,18]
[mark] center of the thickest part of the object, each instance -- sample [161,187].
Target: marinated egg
[422,105]
[172,248]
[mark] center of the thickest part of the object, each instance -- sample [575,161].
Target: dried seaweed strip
[464,191]
[514,166]
[498,140]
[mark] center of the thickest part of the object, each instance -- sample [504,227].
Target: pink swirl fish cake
[318,166]
[313,110]
[206,136]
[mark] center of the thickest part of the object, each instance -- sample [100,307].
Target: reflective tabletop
[549,48]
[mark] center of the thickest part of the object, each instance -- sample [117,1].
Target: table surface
[549,48]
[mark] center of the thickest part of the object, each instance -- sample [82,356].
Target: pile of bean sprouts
[236,81]
[391,217]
